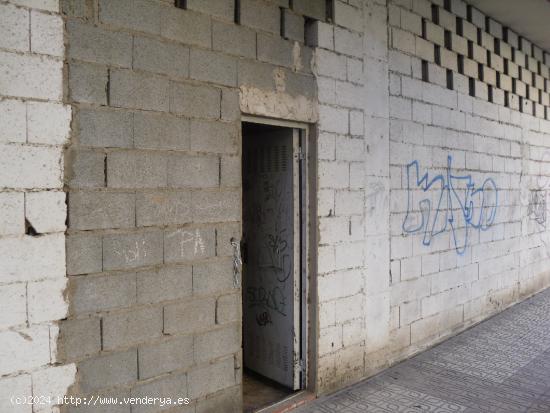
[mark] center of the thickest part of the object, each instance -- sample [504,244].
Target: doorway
[274,262]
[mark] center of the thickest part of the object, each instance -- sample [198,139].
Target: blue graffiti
[459,206]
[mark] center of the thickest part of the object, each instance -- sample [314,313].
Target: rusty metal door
[271,271]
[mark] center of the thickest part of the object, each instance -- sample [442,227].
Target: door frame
[308,233]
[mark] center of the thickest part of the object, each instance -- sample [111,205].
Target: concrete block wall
[35,125]
[153,172]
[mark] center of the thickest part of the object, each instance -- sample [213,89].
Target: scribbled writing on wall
[448,203]
[536,209]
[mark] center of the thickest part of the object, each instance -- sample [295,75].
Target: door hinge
[301,154]
[302,365]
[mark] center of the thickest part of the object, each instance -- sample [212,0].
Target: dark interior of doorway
[258,391]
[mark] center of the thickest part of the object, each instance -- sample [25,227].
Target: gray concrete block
[216,206]
[189,316]
[213,67]
[97,293]
[79,338]
[121,251]
[132,327]
[293,26]
[228,308]
[193,171]
[195,101]
[108,371]
[234,39]
[140,15]
[315,9]
[229,400]
[160,131]
[214,344]
[187,244]
[136,169]
[105,128]
[211,378]
[132,90]
[165,284]
[230,171]
[224,233]
[216,137]
[159,358]
[186,26]
[84,254]
[213,276]
[171,387]
[261,14]
[84,168]
[223,9]
[274,49]
[161,57]
[163,208]
[231,110]
[76,8]
[297,84]
[88,83]
[93,44]
[256,74]
[101,210]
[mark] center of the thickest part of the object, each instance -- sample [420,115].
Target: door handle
[237,262]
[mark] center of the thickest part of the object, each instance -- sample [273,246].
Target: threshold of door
[289,403]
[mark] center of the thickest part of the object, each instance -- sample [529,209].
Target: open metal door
[271,270]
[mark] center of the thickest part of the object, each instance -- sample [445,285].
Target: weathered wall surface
[34,126]
[454,156]
[154,177]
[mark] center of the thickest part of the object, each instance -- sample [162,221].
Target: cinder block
[105,128]
[320,34]
[24,349]
[348,16]
[424,49]
[163,208]
[164,357]
[230,110]
[12,220]
[128,89]
[224,233]
[211,378]
[186,26]
[94,44]
[213,67]
[161,57]
[218,343]
[46,211]
[160,131]
[98,293]
[460,44]
[233,39]
[132,327]
[13,306]
[216,206]
[228,399]
[274,49]
[140,15]
[435,33]
[76,8]
[13,117]
[195,101]
[88,210]
[404,41]
[348,42]
[172,387]
[137,169]
[46,300]
[193,171]
[108,371]
[213,276]
[84,254]
[333,174]
[79,338]
[88,83]
[411,22]
[14,31]
[217,137]
[316,9]
[293,25]
[187,244]
[333,119]
[85,169]
[260,14]
[189,316]
[222,9]
[46,34]
[48,123]
[228,308]
[165,284]
[122,251]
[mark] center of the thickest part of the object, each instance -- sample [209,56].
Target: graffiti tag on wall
[536,209]
[459,205]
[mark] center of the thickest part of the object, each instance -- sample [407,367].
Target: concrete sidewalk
[501,365]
